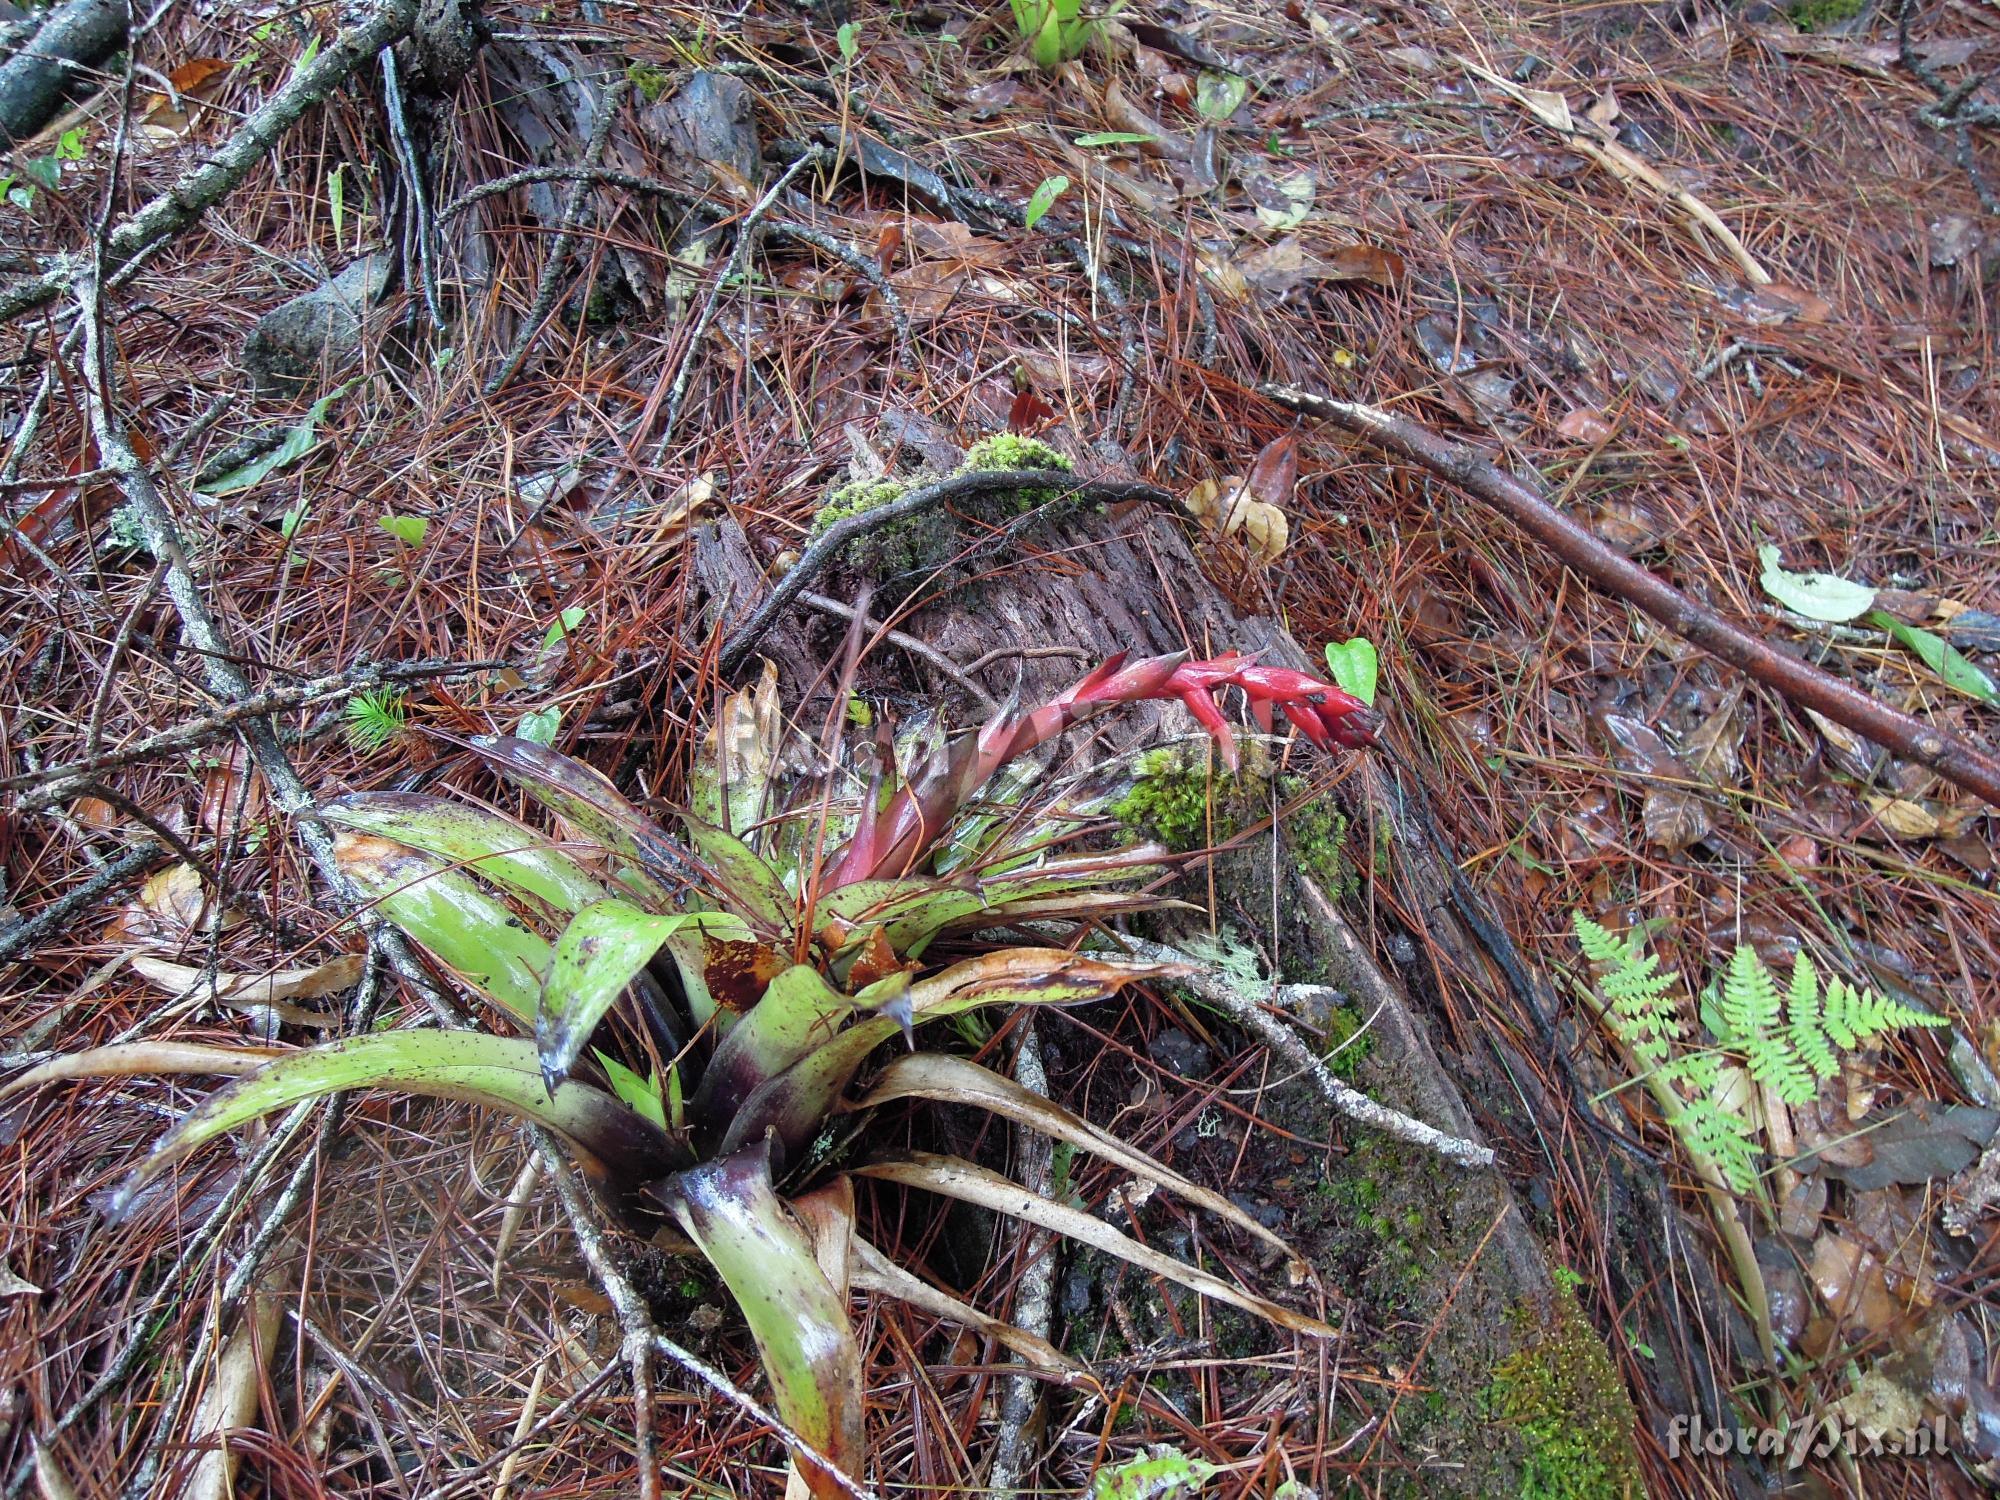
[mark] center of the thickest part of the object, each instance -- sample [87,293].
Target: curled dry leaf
[1250,507]
[232,795]
[243,991]
[173,904]
[1584,425]
[1911,818]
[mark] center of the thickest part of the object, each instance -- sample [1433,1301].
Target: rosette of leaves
[687,1004]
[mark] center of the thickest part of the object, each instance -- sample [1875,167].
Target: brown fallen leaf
[1584,425]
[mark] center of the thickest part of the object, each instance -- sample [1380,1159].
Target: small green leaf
[1354,665]
[1044,199]
[336,201]
[641,1094]
[849,45]
[565,624]
[1939,655]
[298,442]
[409,530]
[1115,138]
[540,725]
[1049,43]
[1166,1472]
[1817,596]
[293,519]
[44,170]
[1219,95]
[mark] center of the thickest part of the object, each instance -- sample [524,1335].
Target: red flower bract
[895,840]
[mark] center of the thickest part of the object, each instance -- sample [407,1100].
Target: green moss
[1823,15]
[1347,1045]
[1185,802]
[1318,836]
[651,82]
[1566,1399]
[1006,450]
[916,542]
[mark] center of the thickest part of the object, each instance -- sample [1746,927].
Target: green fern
[1639,1001]
[1793,1057]
[1788,1043]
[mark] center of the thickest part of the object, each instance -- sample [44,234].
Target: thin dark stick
[28,931]
[205,184]
[975,482]
[1960,761]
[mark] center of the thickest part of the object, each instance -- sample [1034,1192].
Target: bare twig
[1357,1106]
[818,557]
[552,268]
[204,185]
[202,731]
[908,642]
[746,236]
[1960,761]
[20,936]
[1035,1153]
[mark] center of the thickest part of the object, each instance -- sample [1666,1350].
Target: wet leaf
[445,910]
[298,442]
[498,1072]
[751,886]
[800,1323]
[1939,656]
[481,841]
[1585,425]
[1925,1141]
[1043,200]
[1354,666]
[1281,202]
[139,1059]
[1163,1474]
[600,952]
[1817,596]
[1218,95]
[1115,138]
[737,971]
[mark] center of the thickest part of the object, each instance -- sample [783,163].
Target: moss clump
[915,542]
[1824,15]
[1318,837]
[1347,1045]
[1565,1398]
[1181,800]
[651,82]
[1006,450]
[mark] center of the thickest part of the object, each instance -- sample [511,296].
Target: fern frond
[1806,1028]
[1707,1124]
[1639,1001]
[1748,1002]
[1749,1008]
[1855,1017]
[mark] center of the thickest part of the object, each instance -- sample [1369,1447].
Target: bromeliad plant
[690,1008]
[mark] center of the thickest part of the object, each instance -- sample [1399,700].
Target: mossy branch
[966,485]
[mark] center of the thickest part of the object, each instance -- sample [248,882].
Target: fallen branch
[1959,761]
[204,185]
[211,727]
[21,935]
[818,557]
[1212,986]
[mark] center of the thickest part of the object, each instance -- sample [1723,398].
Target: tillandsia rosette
[687,1005]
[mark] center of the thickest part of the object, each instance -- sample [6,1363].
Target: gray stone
[709,120]
[303,342]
